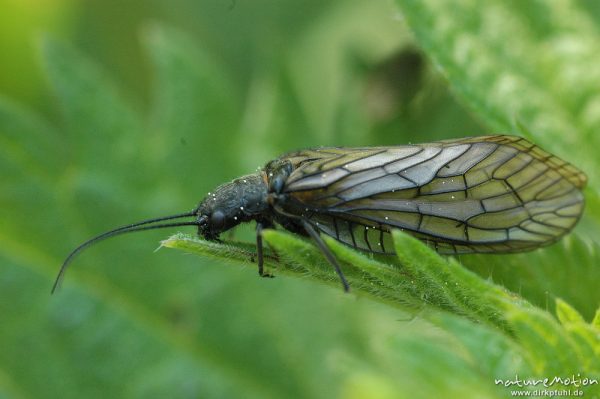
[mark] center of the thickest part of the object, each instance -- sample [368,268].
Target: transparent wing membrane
[480,194]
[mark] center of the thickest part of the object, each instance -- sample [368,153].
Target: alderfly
[480,194]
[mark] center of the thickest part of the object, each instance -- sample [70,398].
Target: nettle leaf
[585,335]
[568,269]
[418,277]
[512,335]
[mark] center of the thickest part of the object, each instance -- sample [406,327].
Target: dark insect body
[480,194]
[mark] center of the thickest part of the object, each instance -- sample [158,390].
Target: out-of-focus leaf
[94,111]
[194,108]
[342,39]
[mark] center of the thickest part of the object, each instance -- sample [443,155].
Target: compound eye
[277,184]
[217,220]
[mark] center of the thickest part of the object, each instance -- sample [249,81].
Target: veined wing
[480,194]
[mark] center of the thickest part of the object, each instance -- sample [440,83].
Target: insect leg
[259,251]
[327,252]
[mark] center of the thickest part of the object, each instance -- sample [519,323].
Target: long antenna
[139,226]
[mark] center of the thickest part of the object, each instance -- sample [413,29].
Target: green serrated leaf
[568,269]
[426,277]
[493,351]
[422,277]
[582,334]
[566,313]
[454,287]
[239,252]
[381,277]
[548,348]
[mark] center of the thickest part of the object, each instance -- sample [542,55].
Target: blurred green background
[113,112]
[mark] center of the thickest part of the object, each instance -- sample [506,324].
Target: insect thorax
[240,200]
[277,172]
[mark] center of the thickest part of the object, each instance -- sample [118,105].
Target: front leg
[259,250]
